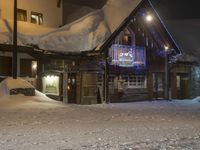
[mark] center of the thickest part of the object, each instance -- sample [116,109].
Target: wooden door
[71,89]
[89,88]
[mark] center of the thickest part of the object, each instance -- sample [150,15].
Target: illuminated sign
[128,56]
[51,85]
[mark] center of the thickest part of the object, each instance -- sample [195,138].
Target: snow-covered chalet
[121,52]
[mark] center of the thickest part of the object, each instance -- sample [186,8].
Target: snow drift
[10,84]
[197,99]
[13,101]
[84,34]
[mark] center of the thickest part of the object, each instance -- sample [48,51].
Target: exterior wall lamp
[149,18]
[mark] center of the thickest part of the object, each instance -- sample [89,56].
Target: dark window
[5,66]
[28,68]
[21,15]
[36,18]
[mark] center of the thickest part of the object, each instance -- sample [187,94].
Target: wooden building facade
[137,62]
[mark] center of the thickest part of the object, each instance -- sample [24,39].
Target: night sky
[168,9]
[177,9]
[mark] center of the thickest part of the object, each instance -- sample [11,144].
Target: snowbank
[85,34]
[10,83]
[20,101]
[197,99]
[13,101]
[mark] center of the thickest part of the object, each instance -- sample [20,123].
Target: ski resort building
[122,52]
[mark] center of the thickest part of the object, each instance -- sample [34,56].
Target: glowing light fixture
[34,65]
[149,18]
[166,48]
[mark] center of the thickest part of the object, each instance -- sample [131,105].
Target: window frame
[135,81]
[23,12]
[39,15]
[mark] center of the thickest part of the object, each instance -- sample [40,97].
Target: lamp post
[166,74]
[14,60]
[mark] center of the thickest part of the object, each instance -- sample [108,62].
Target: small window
[21,15]
[5,66]
[127,40]
[36,18]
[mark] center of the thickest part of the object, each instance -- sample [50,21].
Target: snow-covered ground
[142,125]
[37,122]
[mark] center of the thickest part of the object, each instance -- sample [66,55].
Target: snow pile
[20,101]
[197,99]
[10,83]
[13,101]
[85,34]
[187,58]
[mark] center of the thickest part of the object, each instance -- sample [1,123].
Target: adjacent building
[29,15]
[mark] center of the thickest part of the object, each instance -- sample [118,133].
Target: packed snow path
[142,125]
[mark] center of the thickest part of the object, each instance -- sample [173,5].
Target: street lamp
[14,60]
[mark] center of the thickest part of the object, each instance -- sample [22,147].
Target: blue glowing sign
[128,56]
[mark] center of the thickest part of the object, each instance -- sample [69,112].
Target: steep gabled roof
[130,17]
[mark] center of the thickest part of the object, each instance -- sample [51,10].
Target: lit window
[128,56]
[139,57]
[126,40]
[134,81]
[36,18]
[21,15]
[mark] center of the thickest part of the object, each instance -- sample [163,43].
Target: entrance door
[89,88]
[71,88]
[158,85]
[183,86]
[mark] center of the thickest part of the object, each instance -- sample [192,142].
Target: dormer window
[21,15]
[36,18]
[127,40]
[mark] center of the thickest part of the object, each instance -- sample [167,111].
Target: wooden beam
[14,60]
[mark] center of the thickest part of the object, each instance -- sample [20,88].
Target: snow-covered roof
[187,35]
[85,34]
[116,11]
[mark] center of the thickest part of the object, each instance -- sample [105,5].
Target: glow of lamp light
[34,65]
[166,48]
[50,79]
[149,18]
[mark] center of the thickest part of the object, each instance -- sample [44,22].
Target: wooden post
[65,85]
[40,70]
[14,60]
[166,76]
[106,79]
